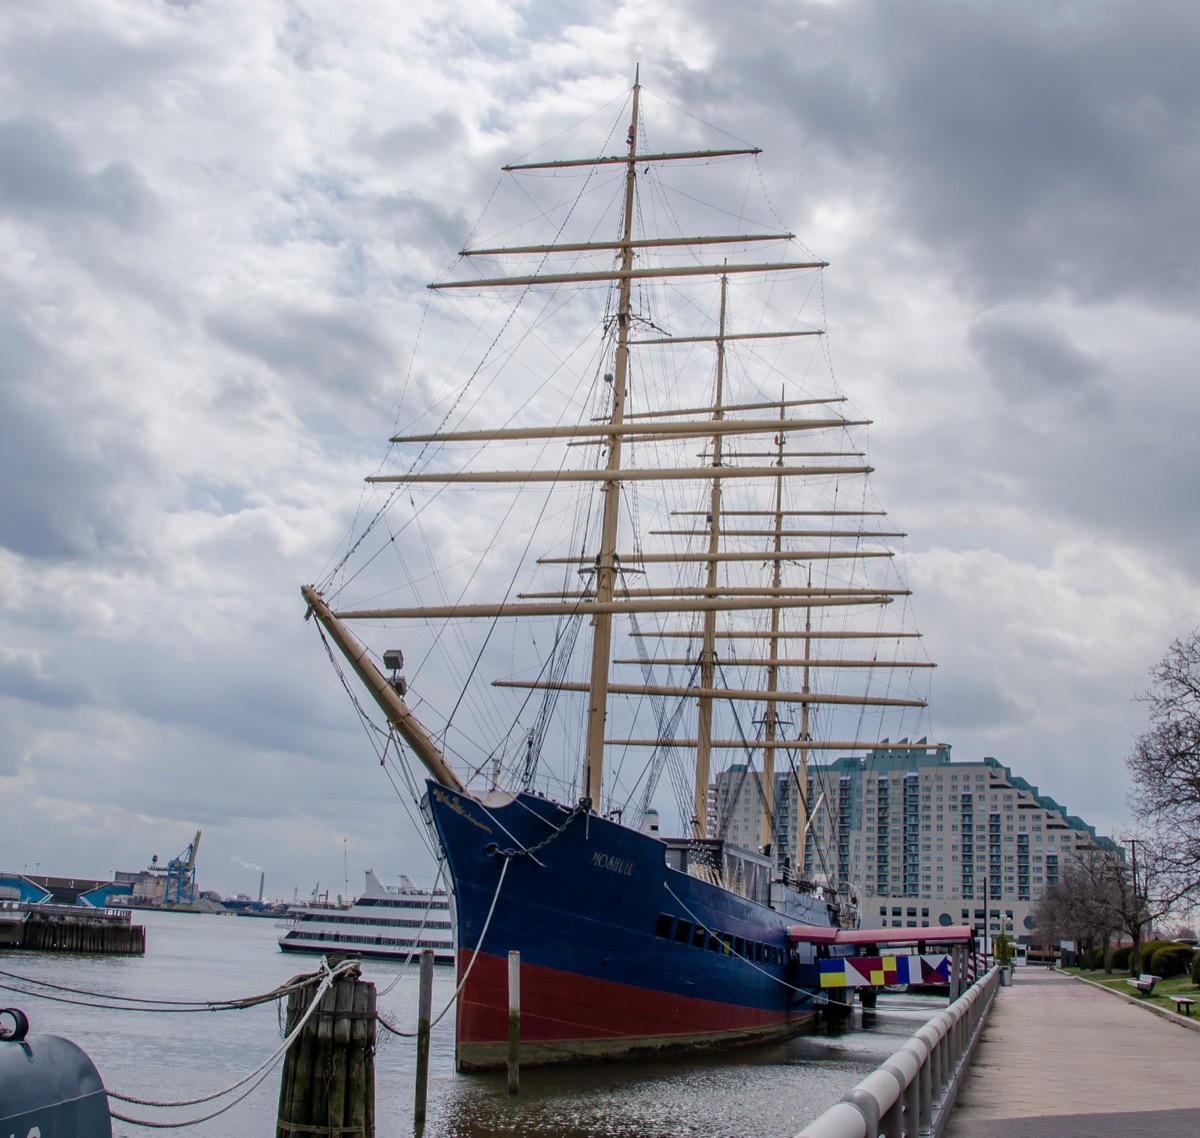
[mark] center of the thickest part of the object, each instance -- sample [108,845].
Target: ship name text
[619,865]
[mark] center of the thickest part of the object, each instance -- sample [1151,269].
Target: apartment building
[921,840]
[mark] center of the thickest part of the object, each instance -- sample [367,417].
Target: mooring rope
[148,1003]
[327,977]
[470,964]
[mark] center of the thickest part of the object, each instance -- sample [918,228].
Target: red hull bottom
[567,1018]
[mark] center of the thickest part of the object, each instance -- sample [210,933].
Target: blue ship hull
[621,954]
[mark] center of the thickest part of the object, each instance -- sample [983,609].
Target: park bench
[1183,1004]
[1144,984]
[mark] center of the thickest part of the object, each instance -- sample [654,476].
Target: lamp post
[1136,954]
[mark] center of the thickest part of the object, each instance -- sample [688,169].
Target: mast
[766,831]
[708,649]
[606,566]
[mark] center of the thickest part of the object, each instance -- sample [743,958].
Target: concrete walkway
[1060,1059]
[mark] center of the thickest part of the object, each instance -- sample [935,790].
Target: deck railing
[913,1092]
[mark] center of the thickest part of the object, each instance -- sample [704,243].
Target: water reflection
[760,1092]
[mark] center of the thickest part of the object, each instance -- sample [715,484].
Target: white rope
[260,1072]
[424,920]
[471,964]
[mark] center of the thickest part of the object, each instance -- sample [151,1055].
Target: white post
[514,1022]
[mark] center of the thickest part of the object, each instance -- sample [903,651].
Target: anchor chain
[581,807]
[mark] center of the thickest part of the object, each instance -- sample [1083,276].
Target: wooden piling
[514,1022]
[424,1012]
[327,1086]
[59,929]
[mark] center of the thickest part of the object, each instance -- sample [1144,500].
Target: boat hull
[316,948]
[621,954]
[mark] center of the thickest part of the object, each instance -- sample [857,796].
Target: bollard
[514,1022]
[424,1011]
[328,1081]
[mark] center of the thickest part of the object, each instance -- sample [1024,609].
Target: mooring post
[424,1012]
[514,1022]
[328,1080]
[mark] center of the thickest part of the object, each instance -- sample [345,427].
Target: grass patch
[1163,990]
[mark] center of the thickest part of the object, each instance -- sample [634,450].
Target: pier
[71,928]
[1060,1057]
[1048,1056]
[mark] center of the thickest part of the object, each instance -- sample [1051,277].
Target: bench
[1144,984]
[1183,1004]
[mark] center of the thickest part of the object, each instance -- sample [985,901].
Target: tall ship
[625,488]
[392,922]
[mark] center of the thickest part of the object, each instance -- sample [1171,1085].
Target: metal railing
[912,1093]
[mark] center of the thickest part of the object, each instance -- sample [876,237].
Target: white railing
[913,1092]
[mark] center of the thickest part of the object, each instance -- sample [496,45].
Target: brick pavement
[1060,1059]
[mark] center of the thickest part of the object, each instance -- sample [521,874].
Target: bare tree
[1165,765]
[1098,896]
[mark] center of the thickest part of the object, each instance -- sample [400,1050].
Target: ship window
[739,946]
[714,945]
[698,937]
[683,932]
[663,928]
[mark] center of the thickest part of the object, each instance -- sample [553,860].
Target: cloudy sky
[216,222]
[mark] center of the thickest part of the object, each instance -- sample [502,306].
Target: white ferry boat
[388,921]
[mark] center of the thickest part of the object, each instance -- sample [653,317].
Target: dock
[71,928]
[1060,1058]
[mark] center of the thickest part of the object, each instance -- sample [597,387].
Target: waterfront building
[919,839]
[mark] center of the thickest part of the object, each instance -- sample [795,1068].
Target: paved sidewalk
[1059,1059]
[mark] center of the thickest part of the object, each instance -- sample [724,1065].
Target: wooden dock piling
[328,1083]
[424,1012]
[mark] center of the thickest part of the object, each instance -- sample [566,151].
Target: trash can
[48,1085]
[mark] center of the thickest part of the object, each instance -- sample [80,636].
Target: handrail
[913,1092]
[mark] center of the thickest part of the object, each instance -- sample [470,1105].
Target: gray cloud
[341,351]
[1039,147]
[23,677]
[1029,359]
[61,494]
[42,174]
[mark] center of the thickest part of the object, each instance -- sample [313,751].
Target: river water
[768,1092]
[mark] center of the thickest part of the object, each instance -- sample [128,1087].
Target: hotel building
[920,840]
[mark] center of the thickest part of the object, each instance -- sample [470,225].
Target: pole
[424,1010]
[514,1022]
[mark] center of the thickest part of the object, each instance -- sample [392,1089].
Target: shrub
[1171,960]
[1093,958]
[1121,957]
[1148,950]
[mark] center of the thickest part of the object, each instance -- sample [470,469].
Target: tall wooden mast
[606,564]
[770,715]
[708,648]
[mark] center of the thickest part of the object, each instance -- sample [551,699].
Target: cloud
[1031,360]
[43,176]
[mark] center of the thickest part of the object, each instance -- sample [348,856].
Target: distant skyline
[217,221]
